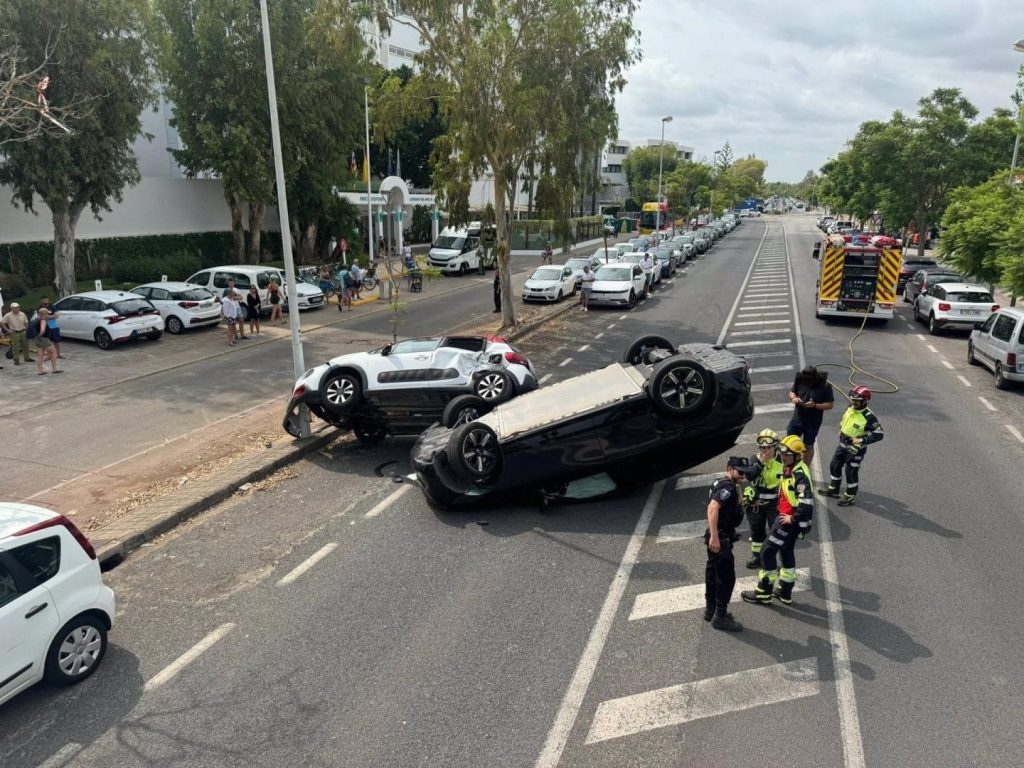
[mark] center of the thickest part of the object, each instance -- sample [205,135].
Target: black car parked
[662,410]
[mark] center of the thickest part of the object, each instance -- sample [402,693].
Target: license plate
[970,311]
[316,299]
[206,304]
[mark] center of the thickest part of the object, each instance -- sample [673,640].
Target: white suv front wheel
[76,651]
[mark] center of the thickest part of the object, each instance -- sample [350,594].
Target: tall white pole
[661,159]
[366,167]
[291,288]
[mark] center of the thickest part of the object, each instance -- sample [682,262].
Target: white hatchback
[106,317]
[55,610]
[182,305]
[551,283]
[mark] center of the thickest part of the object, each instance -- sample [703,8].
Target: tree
[507,76]
[100,56]
[413,141]
[641,169]
[723,157]
[689,183]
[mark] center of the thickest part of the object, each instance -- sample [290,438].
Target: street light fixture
[661,158]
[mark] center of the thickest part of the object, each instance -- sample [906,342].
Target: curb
[111,553]
[527,328]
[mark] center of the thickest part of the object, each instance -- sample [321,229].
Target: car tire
[558,298]
[632,300]
[174,325]
[463,269]
[1000,379]
[369,432]
[933,327]
[681,387]
[971,360]
[341,392]
[76,651]
[905,299]
[103,339]
[462,410]
[473,453]
[636,352]
[493,387]
[155,335]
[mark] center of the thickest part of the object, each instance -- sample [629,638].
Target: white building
[614,187]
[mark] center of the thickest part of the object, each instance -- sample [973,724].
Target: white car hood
[542,284]
[613,285]
[305,289]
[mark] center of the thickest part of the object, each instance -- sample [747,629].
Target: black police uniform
[720,571]
[497,291]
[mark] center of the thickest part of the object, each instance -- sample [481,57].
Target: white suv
[55,610]
[999,345]
[954,305]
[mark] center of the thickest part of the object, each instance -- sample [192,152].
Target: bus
[649,218]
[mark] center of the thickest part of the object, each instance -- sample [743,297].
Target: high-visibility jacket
[796,494]
[860,423]
[766,481]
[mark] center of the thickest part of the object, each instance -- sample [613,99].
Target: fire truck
[857,278]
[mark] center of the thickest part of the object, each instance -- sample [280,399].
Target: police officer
[858,428]
[793,520]
[724,515]
[762,495]
[497,290]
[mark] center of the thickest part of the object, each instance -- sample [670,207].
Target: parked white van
[458,250]
[215,279]
[999,345]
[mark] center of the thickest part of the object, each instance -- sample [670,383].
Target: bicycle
[370,277]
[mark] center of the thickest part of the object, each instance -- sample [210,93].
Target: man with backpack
[344,288]
[15,323]
[724,516]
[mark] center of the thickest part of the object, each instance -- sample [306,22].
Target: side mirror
[385,350]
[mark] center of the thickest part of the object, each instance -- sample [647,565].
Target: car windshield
[970,297]
[945,277]
[414,345]
[579,263]
[192,294]
[614,273]
[450,242]
[547,274]
[915,264]
[131,306]
[632,258]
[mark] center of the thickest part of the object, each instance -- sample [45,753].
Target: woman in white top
[229,309]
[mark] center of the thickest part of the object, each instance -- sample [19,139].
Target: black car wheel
[681,387]
[462,410]
[493,387]
[1001,381]
[342,392]
[154,335]
[103,339]
[632,300]
[970,354]
[637,352]
[370,432]
[933,327]
[174,325]
[473,452]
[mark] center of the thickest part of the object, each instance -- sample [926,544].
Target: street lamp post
[366,171]
[291,289]
[661,159]
[1019,48]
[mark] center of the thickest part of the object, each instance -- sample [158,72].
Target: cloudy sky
[790,81]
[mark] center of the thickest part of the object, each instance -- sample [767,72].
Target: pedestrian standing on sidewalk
[724,516]
[586,287]
[344,288]
[229,309]
[253,309]
[497,289]
[15,322]
[274,294]
[45,350]
[356,272]
[53,324]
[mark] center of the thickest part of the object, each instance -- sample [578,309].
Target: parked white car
[578,262]
[215,280]
[618,284]
[551,283]
[108,317]
[954,305]
[181,305]
[55,610]
[999,345]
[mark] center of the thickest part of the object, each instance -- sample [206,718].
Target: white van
[998,344]
[458,250]
[215,279]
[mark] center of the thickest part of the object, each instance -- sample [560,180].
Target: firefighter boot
[847,499]
[784,587]
[762,593]
[755,555]
[724,621]
[832,489]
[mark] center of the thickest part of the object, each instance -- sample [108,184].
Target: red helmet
[860,392]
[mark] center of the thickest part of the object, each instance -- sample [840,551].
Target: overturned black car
[662,410]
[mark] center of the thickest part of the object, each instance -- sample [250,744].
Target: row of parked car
[620,279]
[146,311]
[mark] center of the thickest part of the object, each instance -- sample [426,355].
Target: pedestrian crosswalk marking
[772,369]
[764,342]
[758,332]
[679,704]
[691,597]
[761,410]
[680,531]
[764,322]
[695,481]
[752,307]
[767,387]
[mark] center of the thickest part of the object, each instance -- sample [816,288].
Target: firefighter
[763,492]
[724,515]
[858,428]
[792,521]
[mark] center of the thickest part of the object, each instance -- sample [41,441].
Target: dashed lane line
[964,381]
[584,348]
[565,362]
[193,653]
[702,699]
[599,335]
[545,378]
[623,317]
[306,564]
[388,501]
[932,349]
[987,404]
[947,364]
[612,325]
[664,602]
[62,757]
[1015,432]
[920,336]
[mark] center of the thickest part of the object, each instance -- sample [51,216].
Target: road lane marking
[739,296]
[947,364]
[964,381]
[1015,432]
[623,317]
[612,325]
[193,653]
[695,481]
[762,295]
[62,757]
[691,597]
[678,704]
[306,564]
[598,336]
[759,331]
[846,694]
[577,690]
[565,362]
[920,336]
[762,343]
[761,410]
[752,307]
[762,322]
[772,369]
[380,507]
[545,377]
[987,404]
[759,355]
[933,350]
[767,387]
[763,314]
[584,348]
[681,531]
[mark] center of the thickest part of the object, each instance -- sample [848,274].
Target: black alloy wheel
[462,410]
[342,392]
[473,452]
[680,386]
[103,339]
[637,352]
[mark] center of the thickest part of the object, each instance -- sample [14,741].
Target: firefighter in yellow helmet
[762,495]
[793,520]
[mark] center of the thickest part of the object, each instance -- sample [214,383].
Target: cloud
[791,81]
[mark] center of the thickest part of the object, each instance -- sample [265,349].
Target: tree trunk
[304,239]
[65,220]
[504,249]
[256,211]
[237,230]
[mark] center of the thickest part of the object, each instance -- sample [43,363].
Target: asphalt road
[342,622]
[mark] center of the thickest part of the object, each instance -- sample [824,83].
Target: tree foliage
[412,140]
[101,58]
[641,169]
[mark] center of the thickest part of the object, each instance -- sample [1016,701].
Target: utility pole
[661,161]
